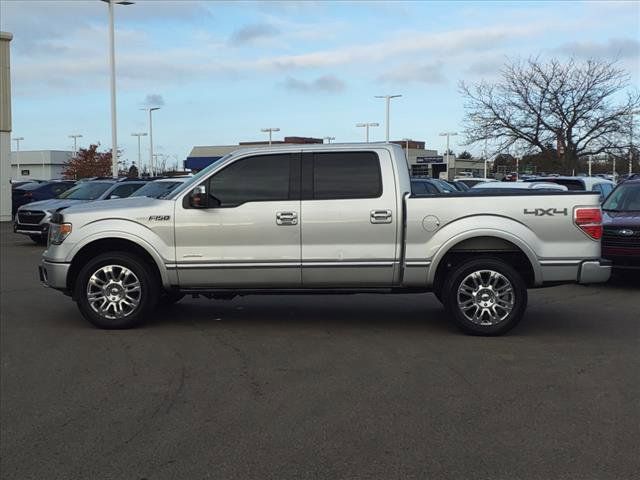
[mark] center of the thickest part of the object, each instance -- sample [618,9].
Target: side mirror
[198,197]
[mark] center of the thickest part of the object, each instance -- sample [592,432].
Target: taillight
[28,195]
[589,220]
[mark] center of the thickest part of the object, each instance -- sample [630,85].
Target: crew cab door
[349,219]
[248,234]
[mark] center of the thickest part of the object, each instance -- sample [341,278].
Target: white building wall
[39,164]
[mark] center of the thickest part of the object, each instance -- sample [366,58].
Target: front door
[349,219]
[249,236]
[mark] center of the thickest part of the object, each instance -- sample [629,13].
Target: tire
[38,239]
[485,296]
[134,294]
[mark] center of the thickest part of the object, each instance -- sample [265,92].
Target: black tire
[147,298]
[39,239]
[504,319]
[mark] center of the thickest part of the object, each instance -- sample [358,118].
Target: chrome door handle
[286,218]
[381,216]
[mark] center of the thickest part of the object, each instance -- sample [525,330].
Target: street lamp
[75,137]
[139,157]
[448,134]
[329,139]
[112,64]
[366,127]
[270,130]
[631,114]
[388,100]
[151,164]
[407,140]
[18,140]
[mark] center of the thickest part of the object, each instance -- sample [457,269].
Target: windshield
[446,186]
[625,198]
[156,189]
[86,191]
[195,180]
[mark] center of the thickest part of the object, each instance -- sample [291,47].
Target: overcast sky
[221,71]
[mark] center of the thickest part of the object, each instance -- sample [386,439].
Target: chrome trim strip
[559,263]
[293,264]
[417,263]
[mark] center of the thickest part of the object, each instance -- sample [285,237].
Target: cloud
[252,33]
[153,100]
[430,74]
[323,84]
[612,48]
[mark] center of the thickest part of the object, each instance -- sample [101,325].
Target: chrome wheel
[485,297]
[113,291]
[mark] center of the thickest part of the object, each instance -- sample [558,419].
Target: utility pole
[448,134]
[366,127]
[270,130]
[329,139]
[75,137]
[388,101]
[18,140]
[112,65]
[142,134]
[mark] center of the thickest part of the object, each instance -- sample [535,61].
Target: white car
[549,186]
[585,184]
[471,181]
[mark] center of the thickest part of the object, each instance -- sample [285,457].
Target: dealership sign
[430,159]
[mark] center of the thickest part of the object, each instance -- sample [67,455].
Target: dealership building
[420,160]
[38,164]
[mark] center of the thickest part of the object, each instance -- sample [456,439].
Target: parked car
[520,186]
[321,219]
[430,186]
[470,182]
[36,191]
[460,186]
[33,219]
[621,222]
[160,188]
[589,184]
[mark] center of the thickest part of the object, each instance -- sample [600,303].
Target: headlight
[58,232]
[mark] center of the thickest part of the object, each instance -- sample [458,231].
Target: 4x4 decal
[546,212]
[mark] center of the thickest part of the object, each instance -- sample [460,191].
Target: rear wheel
[485,296]
[116,290]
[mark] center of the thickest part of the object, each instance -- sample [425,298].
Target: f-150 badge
[159,218]
[546,212]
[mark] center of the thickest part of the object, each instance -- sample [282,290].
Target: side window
[58,189]
[123,191]
[606,189]
[596,188]
[339,175]
[263,178]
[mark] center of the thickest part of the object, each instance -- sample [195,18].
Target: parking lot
[317,387]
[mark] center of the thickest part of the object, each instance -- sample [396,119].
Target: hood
[51,205]
[115,205]
[621,219]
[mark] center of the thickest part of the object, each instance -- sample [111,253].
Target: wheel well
[493,247]
[105,245]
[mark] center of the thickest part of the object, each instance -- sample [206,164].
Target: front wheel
[116,290]
[485,296]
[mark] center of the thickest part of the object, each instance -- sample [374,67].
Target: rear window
[570,183]
[338,175]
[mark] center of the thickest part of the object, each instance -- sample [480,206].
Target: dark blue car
[33,192]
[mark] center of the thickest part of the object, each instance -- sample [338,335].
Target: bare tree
[582,107]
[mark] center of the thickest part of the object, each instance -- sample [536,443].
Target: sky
[221,71]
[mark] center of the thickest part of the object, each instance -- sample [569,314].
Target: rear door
[349,219]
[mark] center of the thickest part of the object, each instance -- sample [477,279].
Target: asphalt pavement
[319,387]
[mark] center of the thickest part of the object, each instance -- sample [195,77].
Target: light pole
[407,140]
[151,165]
[142,134]
[270,130]
[112,64]
[329,139]
[589,164]
[366,127]
[18,140]
[448,134]
[484,155]
[388,100]
[75,137]
[631,141]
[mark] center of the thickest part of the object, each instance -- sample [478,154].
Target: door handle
[381,216]
[286,218]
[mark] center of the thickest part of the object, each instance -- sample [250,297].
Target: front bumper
[53,274]
[594,271]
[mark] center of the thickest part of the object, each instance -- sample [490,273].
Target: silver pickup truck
[322,219]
